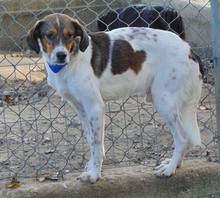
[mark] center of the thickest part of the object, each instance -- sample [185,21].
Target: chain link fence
[40,133]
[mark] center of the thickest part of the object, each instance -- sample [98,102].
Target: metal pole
[215,21]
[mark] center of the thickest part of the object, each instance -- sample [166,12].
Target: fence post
[215,20]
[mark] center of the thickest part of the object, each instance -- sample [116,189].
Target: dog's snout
[61,56]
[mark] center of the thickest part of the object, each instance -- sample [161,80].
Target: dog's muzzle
[61,61]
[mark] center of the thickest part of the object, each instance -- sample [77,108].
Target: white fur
[168,78]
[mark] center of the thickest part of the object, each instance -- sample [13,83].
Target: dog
[157,17]
[88,70]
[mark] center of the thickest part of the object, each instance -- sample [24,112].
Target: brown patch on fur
[67,39]
[100,52]
[48,35]
[124,58]
[55,28]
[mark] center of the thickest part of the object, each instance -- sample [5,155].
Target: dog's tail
[201,65]
[197,59]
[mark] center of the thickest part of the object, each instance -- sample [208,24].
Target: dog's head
[57,36]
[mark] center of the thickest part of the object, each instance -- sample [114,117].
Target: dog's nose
[61,56]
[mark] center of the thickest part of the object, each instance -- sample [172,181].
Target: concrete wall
[17,17]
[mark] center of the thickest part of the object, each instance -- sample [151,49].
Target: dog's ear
[33,35]
[80,31]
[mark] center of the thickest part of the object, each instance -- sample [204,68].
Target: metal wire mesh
[40,133]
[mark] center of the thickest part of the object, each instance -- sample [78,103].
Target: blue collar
[56,68]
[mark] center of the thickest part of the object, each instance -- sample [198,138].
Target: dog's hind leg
[170,107]
[181,142]
[182,119]
[189,120]
[175,97]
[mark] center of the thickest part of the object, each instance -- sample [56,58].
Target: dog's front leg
[95,138]
[92,120]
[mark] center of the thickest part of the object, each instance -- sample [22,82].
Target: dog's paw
[89,176]
[166,168]
[92,173]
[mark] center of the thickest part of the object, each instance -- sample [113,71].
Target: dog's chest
[73,84]
[58,82]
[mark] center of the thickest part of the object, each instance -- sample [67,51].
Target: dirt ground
[41,135]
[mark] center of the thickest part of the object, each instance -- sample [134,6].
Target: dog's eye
[50,35]
[69,35]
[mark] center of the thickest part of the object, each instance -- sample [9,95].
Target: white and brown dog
[89,69]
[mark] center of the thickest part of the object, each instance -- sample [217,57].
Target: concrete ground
[196,178]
